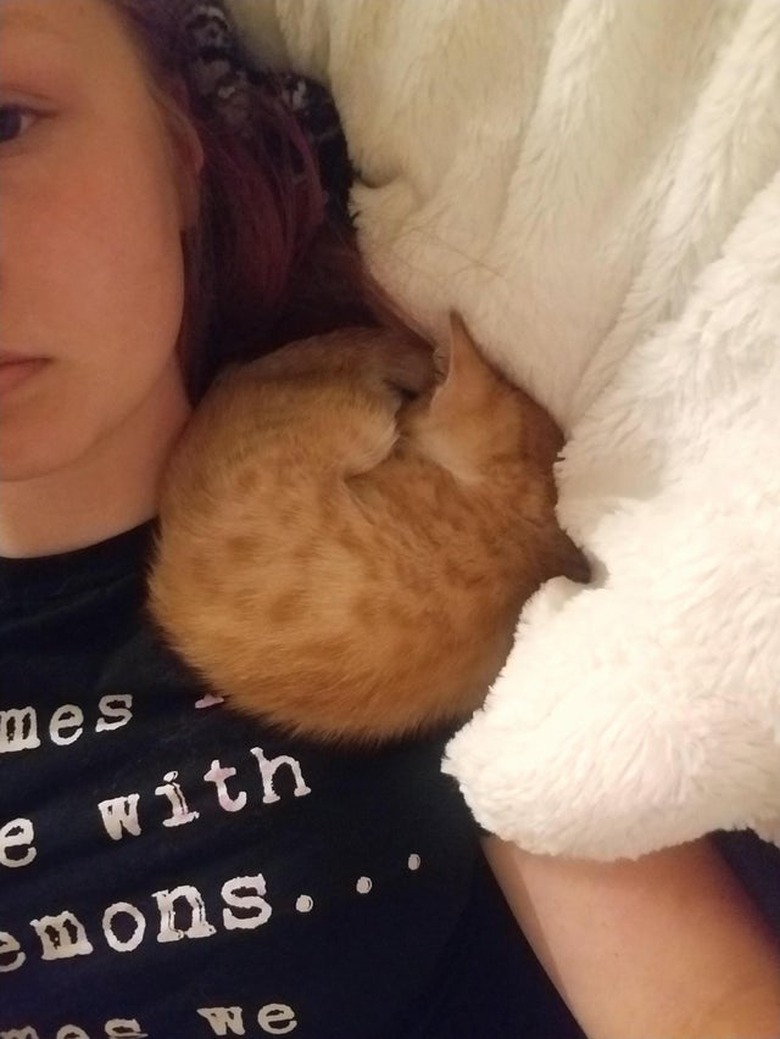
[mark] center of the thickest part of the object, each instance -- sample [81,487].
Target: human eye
[15,120]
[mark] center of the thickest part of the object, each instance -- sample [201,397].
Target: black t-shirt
[173,870]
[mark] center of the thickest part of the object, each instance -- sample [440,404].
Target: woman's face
[91,272]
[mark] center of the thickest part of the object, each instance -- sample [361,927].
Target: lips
[9,357]
[16,369]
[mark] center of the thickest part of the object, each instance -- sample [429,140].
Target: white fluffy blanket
[595,185]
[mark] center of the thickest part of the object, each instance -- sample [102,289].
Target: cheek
[98,273]
[93,279]
[129,257]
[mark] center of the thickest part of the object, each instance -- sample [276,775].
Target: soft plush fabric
[594,184]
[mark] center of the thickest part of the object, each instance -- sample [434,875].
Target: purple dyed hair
[263,264]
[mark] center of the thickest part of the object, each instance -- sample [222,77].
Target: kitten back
[346,542]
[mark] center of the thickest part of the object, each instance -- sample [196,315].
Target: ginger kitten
[346,540]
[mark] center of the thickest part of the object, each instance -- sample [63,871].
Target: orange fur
[346,541]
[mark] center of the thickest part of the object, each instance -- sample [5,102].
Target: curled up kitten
[347,537]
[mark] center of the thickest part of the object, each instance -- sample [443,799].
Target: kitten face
[473,419]
[349,529]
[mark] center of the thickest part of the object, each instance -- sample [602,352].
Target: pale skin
[92,280]
[93,199]
[667,947]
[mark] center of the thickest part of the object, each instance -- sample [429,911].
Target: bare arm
[668,947]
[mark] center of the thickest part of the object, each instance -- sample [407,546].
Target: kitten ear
[464,374]
[470,410]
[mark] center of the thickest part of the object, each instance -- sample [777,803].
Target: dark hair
[264,263]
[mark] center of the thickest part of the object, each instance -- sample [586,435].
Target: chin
[22,469]
[33,454]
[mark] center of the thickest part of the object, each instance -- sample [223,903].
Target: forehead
[39,16]
[79,40]
[66,22]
